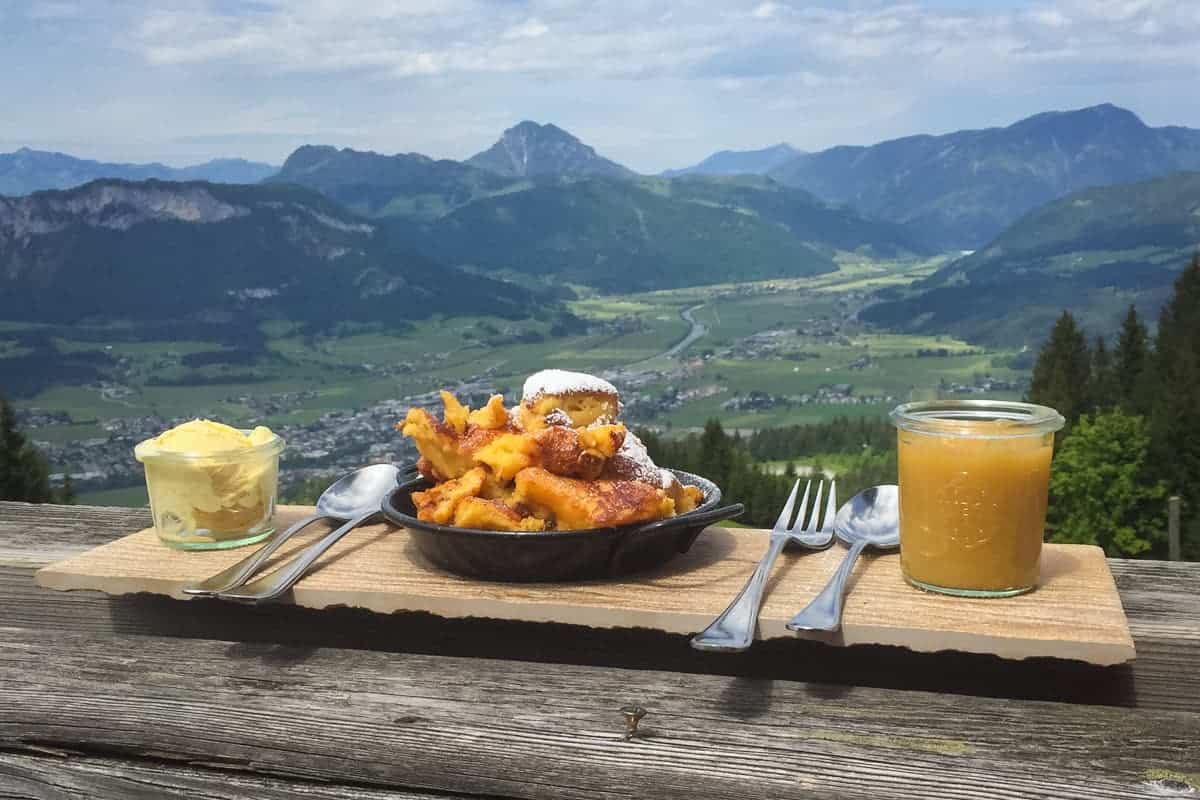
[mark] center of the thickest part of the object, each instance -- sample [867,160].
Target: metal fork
[733,631]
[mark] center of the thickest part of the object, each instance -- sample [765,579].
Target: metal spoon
[351,496]
[278,582]
[870,519]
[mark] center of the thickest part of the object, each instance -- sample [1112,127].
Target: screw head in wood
[633,715]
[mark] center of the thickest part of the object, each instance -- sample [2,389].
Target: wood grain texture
[63,775]
[1075,614]
[1161,601]
[1162,677]
[35,535]
[486,727]
[1162,596]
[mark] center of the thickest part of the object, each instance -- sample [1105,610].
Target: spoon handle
[234,576]
[824,612]
[278,582]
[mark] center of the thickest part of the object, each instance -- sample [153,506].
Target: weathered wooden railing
[145,697]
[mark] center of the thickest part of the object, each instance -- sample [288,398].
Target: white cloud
[1050,17]
[531,28]
[765,10]
[695,74]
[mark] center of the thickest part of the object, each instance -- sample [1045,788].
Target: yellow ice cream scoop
[211,485]
[205,437]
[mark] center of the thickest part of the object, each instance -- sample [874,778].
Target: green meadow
[812,317]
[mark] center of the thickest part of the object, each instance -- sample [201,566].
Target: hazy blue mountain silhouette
[26,171]
[964,188]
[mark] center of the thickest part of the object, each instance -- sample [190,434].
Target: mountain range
[155,250]
[26,171]
[1093,252]
[571,216]
[962,189]
[356,226]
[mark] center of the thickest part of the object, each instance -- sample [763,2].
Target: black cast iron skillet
[555,555]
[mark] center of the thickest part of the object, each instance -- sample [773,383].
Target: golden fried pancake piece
[438,445]
[578,453]
[440,503]
[579,505]
[456,413]
[508,454]
[686,498]
[492,416]
[584,399]
[492,515]
[444,454]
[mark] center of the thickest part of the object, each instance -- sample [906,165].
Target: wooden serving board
[1075,613]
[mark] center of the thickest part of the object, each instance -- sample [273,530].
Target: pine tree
[66,494]
[716,452]
[1062,373]
[1175,418]
[23,473]
[1131,365]
[1104,391]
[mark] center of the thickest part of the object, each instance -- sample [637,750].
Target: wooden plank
[486,727]
[1163,676]
[1159,597]
[62,775]
[36,535]
[1075,614]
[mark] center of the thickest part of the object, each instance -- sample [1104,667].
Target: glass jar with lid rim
[974,482]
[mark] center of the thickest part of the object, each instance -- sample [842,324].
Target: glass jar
[974,480]
[212,501]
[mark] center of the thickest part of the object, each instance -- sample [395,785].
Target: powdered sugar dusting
[558,417]
[560,381]
[637,462]
[667,478]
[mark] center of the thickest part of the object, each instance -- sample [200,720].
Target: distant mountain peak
[530,148]
[741,162]
[1104,114]
[527,126]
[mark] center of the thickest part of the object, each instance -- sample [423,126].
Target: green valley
[769,353]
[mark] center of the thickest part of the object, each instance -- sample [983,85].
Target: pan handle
[691,526]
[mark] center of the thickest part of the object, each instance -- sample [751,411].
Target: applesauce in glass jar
[974,480]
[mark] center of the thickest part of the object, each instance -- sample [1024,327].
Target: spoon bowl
[872,515]
[351,496]
[357,492]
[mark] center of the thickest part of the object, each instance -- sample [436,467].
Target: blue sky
[652,85]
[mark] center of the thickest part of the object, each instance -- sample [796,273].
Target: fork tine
[816,510]
[830,506]
[781,524]
[803,509]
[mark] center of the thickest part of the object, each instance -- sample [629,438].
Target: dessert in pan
[560,460]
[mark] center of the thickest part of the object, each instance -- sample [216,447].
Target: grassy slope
[1093,252]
